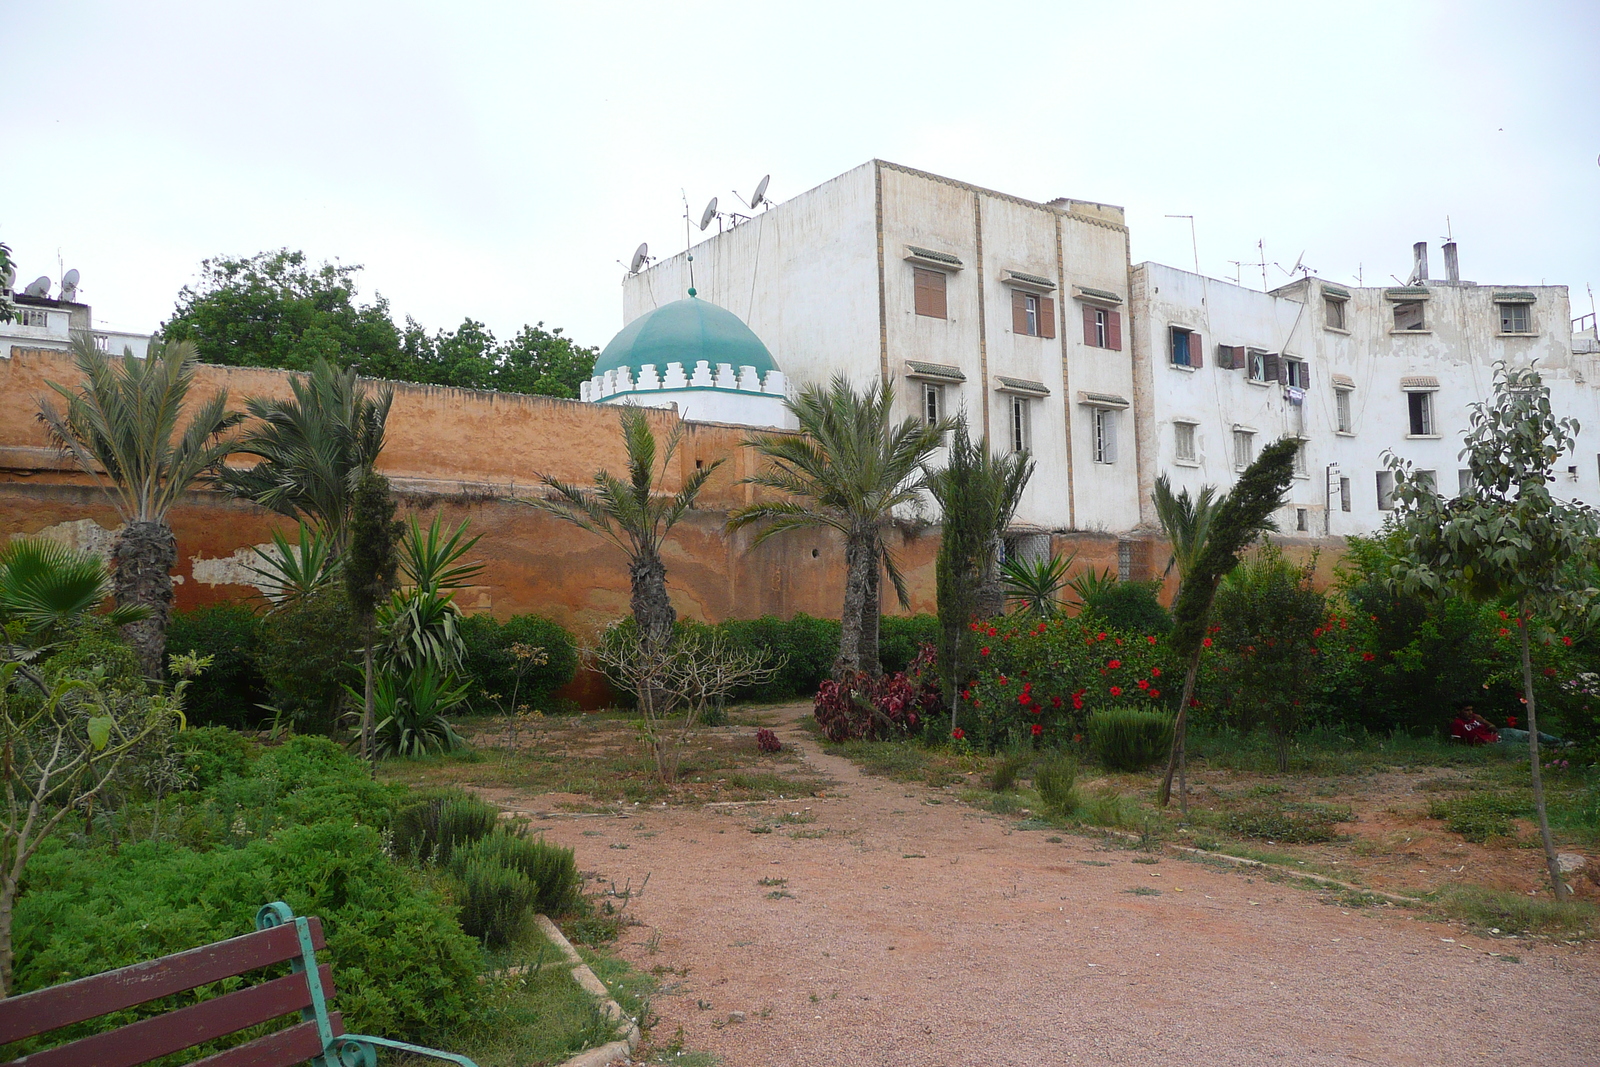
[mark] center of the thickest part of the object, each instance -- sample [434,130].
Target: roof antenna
[687,239]
[1193,243]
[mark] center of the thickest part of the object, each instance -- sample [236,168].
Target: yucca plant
[1034,585]
[121,425]
[411,708]
[1088,584]
[289,572]
[422,624]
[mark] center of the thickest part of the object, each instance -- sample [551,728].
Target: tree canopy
[273,309]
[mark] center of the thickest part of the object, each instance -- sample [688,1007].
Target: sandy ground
[917,932]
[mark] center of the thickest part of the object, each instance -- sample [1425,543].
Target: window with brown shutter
[1019,313]
[930,293]
[1270,366]
[1091,326]
[1114,330]
[1047,317]
[1196,357]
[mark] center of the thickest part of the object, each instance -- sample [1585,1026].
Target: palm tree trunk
[652,608]
[859,560]
[872,617]
[1178,758]
[1550,859]
[991,595]
[142,557]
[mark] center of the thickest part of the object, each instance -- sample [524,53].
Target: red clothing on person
[1473,730]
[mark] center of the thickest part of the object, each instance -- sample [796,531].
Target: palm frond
[45,585]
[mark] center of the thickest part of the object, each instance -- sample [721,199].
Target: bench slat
[99,994]
[151,1038]
[286,1048]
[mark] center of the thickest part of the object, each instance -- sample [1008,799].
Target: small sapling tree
[370,565]
[1241,517]
[1505,537]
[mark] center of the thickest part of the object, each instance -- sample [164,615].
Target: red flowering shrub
[767,741]
[876,709]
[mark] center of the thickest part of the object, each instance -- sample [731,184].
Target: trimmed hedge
[228,692]
[493,668]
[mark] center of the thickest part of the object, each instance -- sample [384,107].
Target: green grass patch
[1481,816]
[1292,824]
[1487,910]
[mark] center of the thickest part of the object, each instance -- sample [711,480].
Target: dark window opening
[1421,410]
[1408,316]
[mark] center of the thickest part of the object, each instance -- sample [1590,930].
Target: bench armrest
[356,1050]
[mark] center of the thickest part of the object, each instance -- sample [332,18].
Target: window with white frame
[1420,411]
[1244,448]
[1341,408]
[1183,442]
[1515,318]
[1105,435]
[1463,481]
[932,402]
[1428,480]
[1334,311]
[1021,439]
[1344,494]
[1302,520]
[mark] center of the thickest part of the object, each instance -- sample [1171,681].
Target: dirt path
[914,933]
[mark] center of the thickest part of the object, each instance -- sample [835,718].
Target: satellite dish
[760,194]
[709,214]
[641,256]
[69,285]
[39,287]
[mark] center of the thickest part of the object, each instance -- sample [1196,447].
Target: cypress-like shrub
[439,822]
[551,868]
[495,899]
[1128,738]
[1055,779]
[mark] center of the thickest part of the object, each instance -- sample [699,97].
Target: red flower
[1100,636]
[1155,692]
[1550,672]
[1077,739]
[992,631]
[1116,690]
[958,733]
[1151,639]
[1037,709]
[1024,699]
[1003,680]
[1155,672]
[1367,657]
[984,651]
[1206,642]
[1511,720]
[1077,703]
[1037,729]
[1114,664]
[1194,702]
[1504,632]
[972,626]
[1503,615]
[1143,684]
[1566,640]
[1055,702]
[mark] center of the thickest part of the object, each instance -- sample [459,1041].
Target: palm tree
[635,515]
[1186,522]
[121,426]
[977,492]
[848,470]
[312,449]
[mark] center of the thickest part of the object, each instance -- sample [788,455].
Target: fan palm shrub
[850,469]
[49,589]
[121,425]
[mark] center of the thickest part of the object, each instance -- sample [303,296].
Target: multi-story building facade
[43,322]
[1012,311]
[1353,372]
[1031,319]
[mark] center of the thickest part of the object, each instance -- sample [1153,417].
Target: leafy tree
[312,449]
[273,310]
[850,469]
[8,270]
[1244,513]
[370,565]
[977,492]
[1505,537]
[121,425]
[635,516]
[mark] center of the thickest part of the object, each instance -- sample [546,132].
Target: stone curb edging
[621,1048]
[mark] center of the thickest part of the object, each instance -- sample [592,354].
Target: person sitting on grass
[1472,728]
[1510,735]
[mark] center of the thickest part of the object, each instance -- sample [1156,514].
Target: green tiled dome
[686,331]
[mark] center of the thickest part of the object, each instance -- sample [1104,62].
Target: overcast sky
[496,161]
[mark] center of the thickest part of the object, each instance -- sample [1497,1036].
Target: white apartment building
[1353,372]
[46,322]
[970,300]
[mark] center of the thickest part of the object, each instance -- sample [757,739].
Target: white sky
[498,160]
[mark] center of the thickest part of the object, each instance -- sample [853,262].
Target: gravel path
[932,934]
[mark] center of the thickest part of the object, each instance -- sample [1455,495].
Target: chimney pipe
[1452,266]
[1419,258]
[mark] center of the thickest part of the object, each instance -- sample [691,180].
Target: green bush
[495,899]
[493,667]
[809,647]
[307,780]
[404,967]
[1055,779]
[1129,739]
[1289,824]
[433,824]
[229,692]
[308,654]
[901,637]
[97,648]
[1131,606]
[551,869]
[212,753]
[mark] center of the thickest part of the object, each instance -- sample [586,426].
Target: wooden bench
[280,936]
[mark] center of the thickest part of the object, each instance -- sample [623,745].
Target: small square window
[930,292]
[1408,316]
[1515,318]
[1244,448]
[1105,435]
[1341,407]
[1428,480]
[1102,327]
[1020,429]
[1421,412]
[1183,354]
[932,402]
[1344,494]
[1183,441]
[1261,366]
[1333,312]
[1032,315]
[1385,490]
[1298,373]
